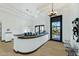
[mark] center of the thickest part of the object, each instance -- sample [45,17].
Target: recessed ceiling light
[27,9]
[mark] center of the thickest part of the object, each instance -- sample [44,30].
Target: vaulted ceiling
[30,9]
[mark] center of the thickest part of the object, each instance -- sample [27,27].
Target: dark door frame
[51,19]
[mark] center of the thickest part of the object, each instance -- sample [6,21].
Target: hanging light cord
[52,7]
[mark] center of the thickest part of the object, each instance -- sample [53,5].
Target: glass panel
[56,30]
[41,29]
[37,29]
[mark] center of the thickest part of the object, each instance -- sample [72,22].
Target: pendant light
[52,12]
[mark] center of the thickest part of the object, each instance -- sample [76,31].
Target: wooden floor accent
[51,48]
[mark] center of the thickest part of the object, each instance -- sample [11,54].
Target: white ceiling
[26,6]
[59,5]
[32,8]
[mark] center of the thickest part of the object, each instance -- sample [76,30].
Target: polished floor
[51,48]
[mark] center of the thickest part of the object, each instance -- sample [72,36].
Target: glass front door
[56,28]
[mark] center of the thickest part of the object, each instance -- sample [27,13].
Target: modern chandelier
[52,12]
